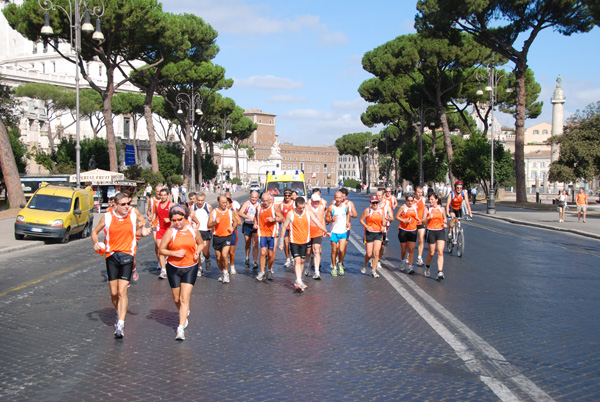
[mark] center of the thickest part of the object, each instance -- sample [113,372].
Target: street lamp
[224,124]
[191,102]
[491,87]
[75,29]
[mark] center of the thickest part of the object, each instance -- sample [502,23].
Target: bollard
[141,204]
[537,197]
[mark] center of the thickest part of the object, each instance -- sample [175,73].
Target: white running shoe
[402,266]
[199,271]
[260,277]
[363,270]
[232,270]
[426,271]
[306,270]
[288,263]
[134,275]
[374,274]
[207,266]
[410,270]
[225,277]
[269,274]
[420,261]
[440,275]
[378,265]
[317,275]
[119,331]
[163,274]
[220,278]
[180,334]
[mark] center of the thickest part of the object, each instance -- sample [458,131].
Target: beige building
[264,136]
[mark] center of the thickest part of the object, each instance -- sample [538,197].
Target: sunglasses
[177,220]
[409,200]
[122,204]
[389,192]
[374,202]
[287,195]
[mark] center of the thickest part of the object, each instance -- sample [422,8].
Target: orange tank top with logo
[300,228]
[413,214]
[266,228]
[225,221]
[319,212]
[420,203]
[153,204]
[436,218]
[119,233]
[456,200]
[183,239]
[285,209]
[375,219]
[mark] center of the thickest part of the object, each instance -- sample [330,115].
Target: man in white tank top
[202,210]
[339,216]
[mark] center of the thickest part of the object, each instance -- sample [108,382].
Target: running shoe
[341,268]
[288,263]
[119,333]
[317,276]
[220,278]
[410,270]
[199,271]
[207,265]
[426,271]
[402,266]
[306,270]
[270,274]
[232,270]
[247,263]
[334,272]
[260,277]
[363,270]
[255,267]
[163,274]
[420,261]
[406,261]
[440,275]
[134,275]
[225,277]
[379,265]
[298,287]
[374,274]
[180,334]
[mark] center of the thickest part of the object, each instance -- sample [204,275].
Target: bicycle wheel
[460,243]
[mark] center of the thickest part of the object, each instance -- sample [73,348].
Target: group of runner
[182,234]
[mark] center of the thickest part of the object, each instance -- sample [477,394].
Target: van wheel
[65,238]
[86,232]
[19,236]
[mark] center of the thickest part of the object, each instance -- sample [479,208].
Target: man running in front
[299,220]
[265,221]
[247,212]
[316,235]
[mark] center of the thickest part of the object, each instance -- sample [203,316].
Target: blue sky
[302,60]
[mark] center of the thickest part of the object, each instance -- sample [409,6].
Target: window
[317,159]
[260,120]
[100,71]
[534,164]
[536,132]
[543,164]
[295,160]
[545,132]
[126,127]
[270,133]
[270,122]
[302,158]
[308,168]
[309,159]
[295,166]
[259,141]
[270,143]
[317,170]
[534,175]
[260,133]
[34,48]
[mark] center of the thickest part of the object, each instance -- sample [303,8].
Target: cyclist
[454,204]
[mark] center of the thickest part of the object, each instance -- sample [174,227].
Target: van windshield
[50,203]
[277,187]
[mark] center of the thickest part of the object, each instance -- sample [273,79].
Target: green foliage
[154,178]
[579,147]
[133,172]
[169,159]
[209,168]
[249,150]
[174,179]
[351,183]
[237,181]
[63,159]
[354,144]
[435,167]
[472,162]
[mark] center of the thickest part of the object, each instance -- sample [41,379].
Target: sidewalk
[543,216]
[7,229]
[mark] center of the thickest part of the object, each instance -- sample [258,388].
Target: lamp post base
[491,206]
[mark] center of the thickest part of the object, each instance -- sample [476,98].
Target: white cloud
[270,82]
[287,99]
[241,17]
[357,104]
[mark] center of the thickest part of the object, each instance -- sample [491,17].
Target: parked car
[57,212]
[254,186]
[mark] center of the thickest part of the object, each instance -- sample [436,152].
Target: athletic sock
[121,323]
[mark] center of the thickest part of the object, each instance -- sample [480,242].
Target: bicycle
[458,238]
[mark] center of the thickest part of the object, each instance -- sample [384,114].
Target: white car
[254,186]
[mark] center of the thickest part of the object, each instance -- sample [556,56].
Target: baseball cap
[315,197]
[374,198]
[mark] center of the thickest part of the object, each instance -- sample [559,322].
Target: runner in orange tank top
[389,217]
[409,218]
[286,206]
[373,220]
[316,236]
[435,220]
[161,215]
[120,226]
[181,245]
[299,221]
[420,201]
[265,222]
[582,204]
[222,220]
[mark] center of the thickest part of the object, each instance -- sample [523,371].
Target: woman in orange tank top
[373,219]
[408,215]
[181,245]
[435,219]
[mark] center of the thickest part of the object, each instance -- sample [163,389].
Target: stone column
[558,100]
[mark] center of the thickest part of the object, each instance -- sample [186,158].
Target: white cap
[316,197]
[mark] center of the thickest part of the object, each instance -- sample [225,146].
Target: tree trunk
[10,171]
[150,127]
[236,148]
[447,141]
[135,147]
[520,133]
[50,137]
[199,160]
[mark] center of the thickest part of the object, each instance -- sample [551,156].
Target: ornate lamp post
[419,117]
[491,87]
[74,16]
[193,105]
[224,124]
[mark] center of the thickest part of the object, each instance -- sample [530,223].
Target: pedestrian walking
[582,204]
[562,205]
[181,245]
[120,225]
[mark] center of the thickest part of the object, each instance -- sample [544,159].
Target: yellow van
[56,212]
[278,181]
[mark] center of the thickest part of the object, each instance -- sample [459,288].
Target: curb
[18,248]
[539,225]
